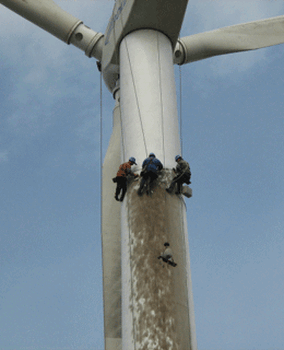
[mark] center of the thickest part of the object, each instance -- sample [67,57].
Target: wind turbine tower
[147,305]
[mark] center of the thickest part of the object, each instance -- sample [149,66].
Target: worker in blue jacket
[150,168]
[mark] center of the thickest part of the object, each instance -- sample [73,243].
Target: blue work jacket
[152,164]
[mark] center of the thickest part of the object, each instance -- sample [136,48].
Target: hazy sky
[50,246]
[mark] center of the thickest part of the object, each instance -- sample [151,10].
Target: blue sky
[232,128]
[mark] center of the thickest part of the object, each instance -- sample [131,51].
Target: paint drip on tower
[157,300]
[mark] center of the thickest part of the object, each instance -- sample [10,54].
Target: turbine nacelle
[165,16]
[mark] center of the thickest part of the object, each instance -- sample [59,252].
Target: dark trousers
[179,180]
[121,186]
[147,178]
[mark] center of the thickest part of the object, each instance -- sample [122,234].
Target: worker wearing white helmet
[167,255]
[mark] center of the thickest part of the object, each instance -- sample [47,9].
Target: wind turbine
[135,80]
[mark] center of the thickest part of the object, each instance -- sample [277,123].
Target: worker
[167,255]
[150,168]
[121,178]
[183,175]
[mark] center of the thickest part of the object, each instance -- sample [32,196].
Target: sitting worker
[149,173]
[167,255]
[183,175]
[121,178]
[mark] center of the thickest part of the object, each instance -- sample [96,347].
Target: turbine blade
[45,14]
[50,17]
[241,37]
[111,238]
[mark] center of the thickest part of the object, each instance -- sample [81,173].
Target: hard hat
[152,155]
[166,244]
[133,160]
[178,157]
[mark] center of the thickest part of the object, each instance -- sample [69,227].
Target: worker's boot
[122,194]
[116,194]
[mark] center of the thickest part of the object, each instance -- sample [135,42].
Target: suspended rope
[101,148]
[128,204]
[122,134]
[136,96]
[185,247]
[180,109]
[161,96]
[183,207]
[131,242]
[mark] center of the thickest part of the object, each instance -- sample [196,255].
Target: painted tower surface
[155,304]
[157,307]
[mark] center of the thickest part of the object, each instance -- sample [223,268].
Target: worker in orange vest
[121,178]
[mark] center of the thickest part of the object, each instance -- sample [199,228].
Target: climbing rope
[136,96]
[101,173]
[180,109]
[128,216]
[185,246]
[161,97]
[122,134]
[130,245]
[101,147]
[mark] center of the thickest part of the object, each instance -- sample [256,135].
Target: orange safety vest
[124,169]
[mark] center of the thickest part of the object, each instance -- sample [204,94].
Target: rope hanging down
[180,109]
[136,95]
[101,147]
[161,96]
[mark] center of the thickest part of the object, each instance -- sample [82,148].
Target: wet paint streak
[155,293]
